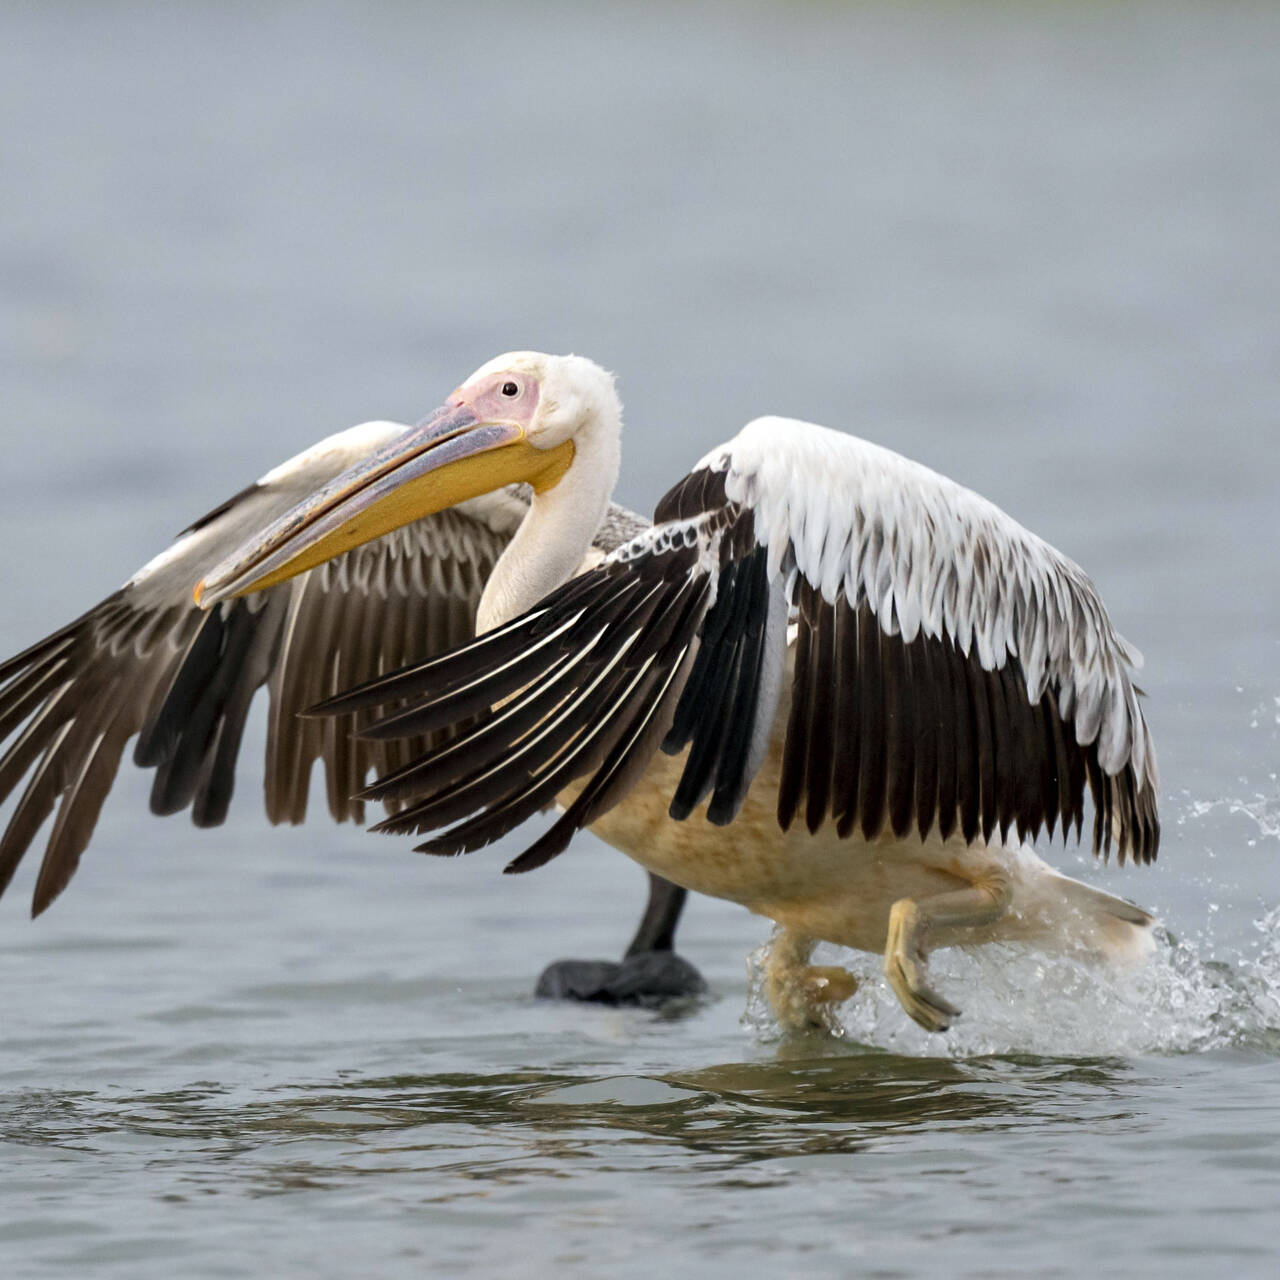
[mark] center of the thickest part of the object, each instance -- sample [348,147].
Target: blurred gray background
[1034,246]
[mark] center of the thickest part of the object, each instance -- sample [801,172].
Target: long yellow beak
[449,457]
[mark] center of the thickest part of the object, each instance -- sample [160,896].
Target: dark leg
[649,974]
[657,928]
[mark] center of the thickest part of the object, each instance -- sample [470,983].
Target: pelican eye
[510,389]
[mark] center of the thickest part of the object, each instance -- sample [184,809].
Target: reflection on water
[514,1125]
[820,1146]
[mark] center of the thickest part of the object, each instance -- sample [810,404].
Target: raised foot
[921,1002]
[648,979]
[802,998]
[828,984]
[904,968]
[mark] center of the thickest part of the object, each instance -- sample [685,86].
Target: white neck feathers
[552,541]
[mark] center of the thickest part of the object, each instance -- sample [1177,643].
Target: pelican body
[825,682]
[879,684]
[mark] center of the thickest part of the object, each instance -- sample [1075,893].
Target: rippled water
[1032,245]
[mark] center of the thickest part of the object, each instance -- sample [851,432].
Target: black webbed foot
[647,978]
[649,974]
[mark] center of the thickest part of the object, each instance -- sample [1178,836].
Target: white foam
[1017,1001]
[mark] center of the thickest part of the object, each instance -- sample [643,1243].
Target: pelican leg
[985,901]
[649,974]
[799,993]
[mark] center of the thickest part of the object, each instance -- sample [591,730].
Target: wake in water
[1018,1001]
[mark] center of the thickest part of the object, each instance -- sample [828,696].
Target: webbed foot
[803,996]
[904,967]
[650,974]
[647,979]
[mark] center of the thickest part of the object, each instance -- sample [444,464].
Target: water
[1031,245]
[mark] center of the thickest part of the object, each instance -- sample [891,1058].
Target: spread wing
[951,672]
[147,662]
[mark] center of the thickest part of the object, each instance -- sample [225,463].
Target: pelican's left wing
[147,662]
[952,672]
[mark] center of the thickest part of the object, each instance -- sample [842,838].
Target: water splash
[1016,1000]
[1262,810]
[1260,805]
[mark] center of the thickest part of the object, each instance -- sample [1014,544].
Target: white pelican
[883,683]
[147,662]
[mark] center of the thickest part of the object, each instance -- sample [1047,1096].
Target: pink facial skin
[487,400]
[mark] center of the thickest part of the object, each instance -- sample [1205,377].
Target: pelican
[826,682]
[882,682]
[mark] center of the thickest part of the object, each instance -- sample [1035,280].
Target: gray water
[1032,245]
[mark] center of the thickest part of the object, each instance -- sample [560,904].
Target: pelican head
[522,416]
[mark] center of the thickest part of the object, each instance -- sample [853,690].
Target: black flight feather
[844,769]
[871,779]
[819,757]
[795,745]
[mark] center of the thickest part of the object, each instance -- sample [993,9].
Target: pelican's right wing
[146,661]
[952,673]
